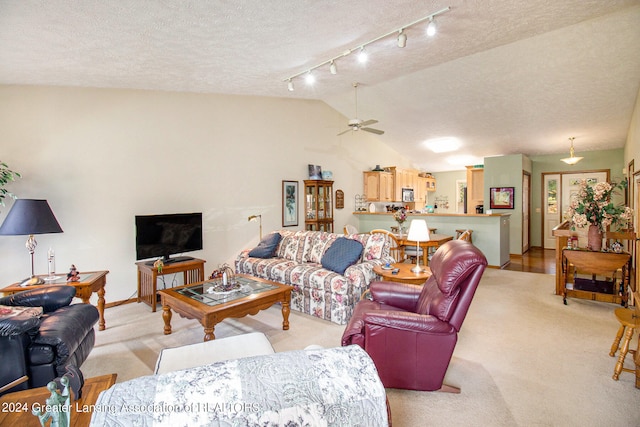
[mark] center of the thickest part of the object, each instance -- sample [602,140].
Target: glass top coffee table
[210,302]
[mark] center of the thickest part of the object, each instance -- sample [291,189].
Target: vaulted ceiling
[500,76]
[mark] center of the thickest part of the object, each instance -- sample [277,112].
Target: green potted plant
[6,175]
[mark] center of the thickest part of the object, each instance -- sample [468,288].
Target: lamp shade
[418,230]
[29,216]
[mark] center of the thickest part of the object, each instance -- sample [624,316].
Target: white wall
[100,157]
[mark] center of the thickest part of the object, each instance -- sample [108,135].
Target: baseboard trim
[121,302]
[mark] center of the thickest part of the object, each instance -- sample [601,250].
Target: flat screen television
[165,235]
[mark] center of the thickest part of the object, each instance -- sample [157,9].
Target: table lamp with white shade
[418,232]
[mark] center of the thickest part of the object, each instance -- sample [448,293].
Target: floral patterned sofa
[318,291]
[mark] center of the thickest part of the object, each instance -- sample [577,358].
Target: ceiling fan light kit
[362,56]
[572,159]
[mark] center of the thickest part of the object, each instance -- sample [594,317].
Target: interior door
[526,207]
[551,214]
[559,188]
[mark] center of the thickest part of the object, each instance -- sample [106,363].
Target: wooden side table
[90,282]
[404,275]
[193,271]
[597,264]
[15,408]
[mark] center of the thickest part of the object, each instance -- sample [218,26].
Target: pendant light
[572,159]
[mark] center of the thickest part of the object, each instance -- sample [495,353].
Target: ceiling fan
[359,124]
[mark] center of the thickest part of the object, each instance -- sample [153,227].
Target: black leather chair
[46,347]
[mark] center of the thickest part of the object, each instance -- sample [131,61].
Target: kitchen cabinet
[475,188]
[424,186]
[378,186]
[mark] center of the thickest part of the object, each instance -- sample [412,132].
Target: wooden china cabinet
[318,205]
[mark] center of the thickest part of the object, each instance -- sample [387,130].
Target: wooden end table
[193,302]
[404,275]
[90,282]
[192,271]
[15,408]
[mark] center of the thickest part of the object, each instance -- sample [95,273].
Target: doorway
[557,189]
[526,209]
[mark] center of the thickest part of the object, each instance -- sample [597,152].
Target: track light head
[402,38]
[310,78]
[290,86]
[362,56]
[333,68]
[432,28]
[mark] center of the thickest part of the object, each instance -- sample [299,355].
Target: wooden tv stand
[193,271]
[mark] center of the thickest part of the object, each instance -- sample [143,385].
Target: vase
[594,238]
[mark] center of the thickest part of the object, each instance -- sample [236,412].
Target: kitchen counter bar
[490,231]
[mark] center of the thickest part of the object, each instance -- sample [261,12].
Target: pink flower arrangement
[400,216]
[592,205]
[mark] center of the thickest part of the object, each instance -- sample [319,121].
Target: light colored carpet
[522,359]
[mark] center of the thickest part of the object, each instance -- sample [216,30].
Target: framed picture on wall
[501,197]
[289,203]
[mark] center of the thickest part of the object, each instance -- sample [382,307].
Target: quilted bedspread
[326,387]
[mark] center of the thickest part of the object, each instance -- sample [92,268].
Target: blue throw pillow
[341,254]
[267,246]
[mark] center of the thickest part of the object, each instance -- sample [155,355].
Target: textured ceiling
[503,77]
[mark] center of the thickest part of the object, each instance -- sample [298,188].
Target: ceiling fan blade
[368,122]
[344,131]
[376,131]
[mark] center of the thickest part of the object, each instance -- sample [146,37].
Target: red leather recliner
[410,331]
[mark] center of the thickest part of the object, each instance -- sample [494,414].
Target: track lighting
[402,39]
[333,68]
[432,28]
[362,55]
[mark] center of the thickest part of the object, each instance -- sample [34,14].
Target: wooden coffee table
[193,302]
[404,275]
[15,408]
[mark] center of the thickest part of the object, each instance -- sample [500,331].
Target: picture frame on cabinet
[315,172]
[501,197]
[289,203]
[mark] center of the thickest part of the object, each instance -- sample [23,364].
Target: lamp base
[32,281]
[417,269]
[51,278]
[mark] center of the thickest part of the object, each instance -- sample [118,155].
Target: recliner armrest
[18,325]
[50,298]
[402,320]
[66,328]
[400,295]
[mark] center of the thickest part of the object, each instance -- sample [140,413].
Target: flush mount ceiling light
[443,145]
[572,159]
[401,38]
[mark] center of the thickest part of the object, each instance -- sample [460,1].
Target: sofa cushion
[374,247]
[291,246]
[316,244]
[267,246]
[341,254]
